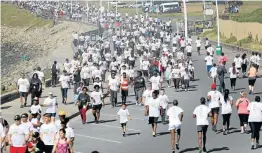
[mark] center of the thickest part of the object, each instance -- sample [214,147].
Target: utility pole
[185,19]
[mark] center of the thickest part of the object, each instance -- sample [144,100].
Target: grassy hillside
[254,16]
[13,16]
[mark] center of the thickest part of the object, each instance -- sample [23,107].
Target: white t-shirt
[147,94]
[27,126]
[213,72]
[64,81]
[18,134]
[23,85]
[2,132]
[67,67]
[231,74]
[226,106]
[163,101]
[40,75]
[114,84]
[238,61]
[176,73]
[35,121]
[209,60]
[155,82]
[145,65]
[69,133]
[216,97]
[49,133]
[123,114]
[198,43]
[86,72]
[255,112]
[189,49]
[50,105]
[210,50]
[97,96]
[154,107]
[201,113]
[174,115]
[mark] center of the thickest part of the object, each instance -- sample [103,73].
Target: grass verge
[13,16]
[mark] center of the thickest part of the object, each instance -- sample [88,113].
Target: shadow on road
[5,107]
[162,133]
[188,150]
[106,121]
[130,134]
[218,149]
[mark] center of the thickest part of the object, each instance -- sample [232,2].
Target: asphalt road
[107,137]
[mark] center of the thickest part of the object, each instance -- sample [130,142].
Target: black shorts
[23,94]
[124,92]
[251,81]
[198,48]
[97,107]
[189,54]
[123,124]
[215,110]
[145,73]
[153,120]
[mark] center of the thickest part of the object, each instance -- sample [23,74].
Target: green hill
[254,16]
[13,16]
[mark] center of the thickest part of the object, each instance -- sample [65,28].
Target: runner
[176,76]
[175,115]
[17,136]
[234,73]
[242,105]
[226,111]
[23,88]
[164,104]
[156,81]
[255,121]
[153,110]
[124,116]
[98,102]
[51,104]
[124,87]
[252,76]
[201,113]
[64,84]
[209,62]
[83,101]
[198,44]
[113,88]
[213,73]
[139,85]
[214,99]
[35,87]
[62,144]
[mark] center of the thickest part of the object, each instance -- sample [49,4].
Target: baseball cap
[213,86]
[17,117]
[24,115]
[30,145]
[35,99]
[62,113]
[50,93]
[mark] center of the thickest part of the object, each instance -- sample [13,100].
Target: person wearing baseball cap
[62,117]
[18,136]
[36,145]
[214,99]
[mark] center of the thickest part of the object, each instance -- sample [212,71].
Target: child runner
[124,116]
[164,104]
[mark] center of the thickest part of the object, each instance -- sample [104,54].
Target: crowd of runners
[142,53]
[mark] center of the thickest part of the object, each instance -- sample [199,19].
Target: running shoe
[224,132]
[154,134]
[124,134]
[173,151]
[204,149]
[200,151]
[257,145]
[177,146]
[252,147]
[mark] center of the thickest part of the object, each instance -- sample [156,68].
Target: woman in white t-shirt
[176,76]
[255,120]
[233,72]
[226,110]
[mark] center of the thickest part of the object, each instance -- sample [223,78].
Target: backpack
[54,70]
[219,70]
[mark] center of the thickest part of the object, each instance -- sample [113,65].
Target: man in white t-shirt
[198,44]
[189,50]
[209,62]
[23,87]
[51,104]
[64,80]
[156,81]
[175,115]
[210,50]
[17,136]
[201,113]
[98,102]
[113,87]
[153,110]
[48,133]
[214,99]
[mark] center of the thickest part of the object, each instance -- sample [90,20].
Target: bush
[254,16]
[231,39]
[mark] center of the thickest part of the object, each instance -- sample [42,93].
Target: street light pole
[204,3]
[218,26]
[136,8]
[71,7]
[185,19]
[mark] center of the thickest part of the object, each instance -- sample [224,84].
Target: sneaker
[250,92]
[154,134]
[252,147]
[204,149]
[124,134]
[22,106]
[136,103]
[140,104]
[173,151]
[224,132]
[112,106]
[200,151]
[177,146]
[257,145]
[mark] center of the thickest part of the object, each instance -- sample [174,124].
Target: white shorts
[174,127]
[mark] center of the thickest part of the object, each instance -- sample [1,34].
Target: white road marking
[102,139]
[133,118]
[115,127]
